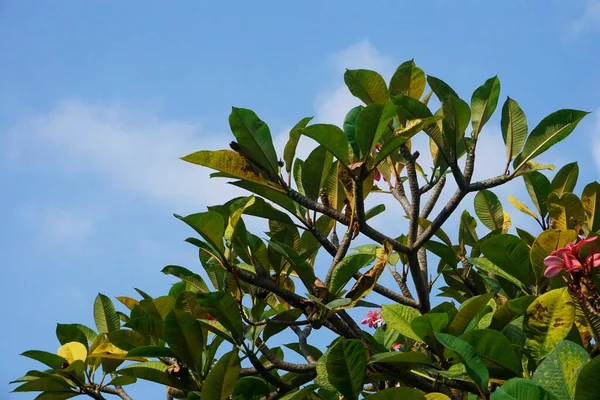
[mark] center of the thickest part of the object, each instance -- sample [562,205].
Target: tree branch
[433,198]
[284,365]
[341,252]
[415,194]
[117,391]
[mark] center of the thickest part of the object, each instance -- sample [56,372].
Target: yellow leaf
[507,222]
[73,351]
[436,396]
[364,285]
[519,205]
[226,161]
[108,350]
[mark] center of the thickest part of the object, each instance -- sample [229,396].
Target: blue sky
[99,99]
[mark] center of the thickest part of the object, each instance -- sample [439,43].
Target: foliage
[522,315]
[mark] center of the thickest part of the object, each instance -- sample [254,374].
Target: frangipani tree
[523,320]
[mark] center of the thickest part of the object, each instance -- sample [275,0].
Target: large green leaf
[187,276]
[587,387]
[346,268]
[153,371]
[147,326]
[467,312]
[50,384]
[486,265]
[52,360]
[457,116]
[332,138]
[367,85]
[566,211]
[489,209]
[559,371]
[548,321]
[250,387]
[473,364]
[511,254]
[278,197]
[372,122]
[105,315]
[280,322]
[210,225]
[401,358]
[399,317]
[426,325]
[315,171]
[404,393]
[494,349]
[346,367]
[289,152]
[565,179]
[151,351]
[408,80]
[225,309]
[228,162]
[590,199]
[521,389]
[184,336]
[440,88]
[467,232]
[551,130]
[546,243]
[539,188]
[350,129]
[514,128]
[483,103]
[221,380]
[254,138]
[66,333]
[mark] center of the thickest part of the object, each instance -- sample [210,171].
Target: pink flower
[397,346]
[373,319]
[571,260]
[377,175]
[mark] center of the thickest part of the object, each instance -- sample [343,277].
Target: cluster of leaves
[514,335]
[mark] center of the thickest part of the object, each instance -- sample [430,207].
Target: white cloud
[590,19]
[133,151]
[55,225]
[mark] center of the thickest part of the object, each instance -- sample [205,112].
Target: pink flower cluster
[373,319]
[569,259]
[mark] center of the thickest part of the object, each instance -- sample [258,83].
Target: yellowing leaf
[364,285]
[108,350]
[519,205]
[548,320]
[73,351]
[226,161]
[507,222]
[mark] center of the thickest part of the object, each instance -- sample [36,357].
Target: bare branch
[434,197]
[117,391]
[341,252]
[284,365]
[415,194]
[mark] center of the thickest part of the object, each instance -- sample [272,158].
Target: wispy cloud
[589,19]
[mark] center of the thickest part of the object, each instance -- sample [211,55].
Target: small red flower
[210,317]
[397,347]
[571,260]
[373,319]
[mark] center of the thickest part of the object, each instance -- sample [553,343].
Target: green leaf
[290,147]
[105,315]
[546,243]
[551,130]
[404,393]
[371,123]
[313,351]
[473,364]
[457,116]
[350,129]
[375,211]
[565,179]
[228,162]
[151,351]
[467,312]
[514,127]
[278,322]
[254,138]
[221,379]
[483,103]
[153,371]
[494,349]
[332,138]
[345,270]
[52,360]
[50,384]
[548,321]
[399,317]
[590,200]
[210,225]
[401,358]
[489,209]
[520,389]
[191,278]
[70,333]
[510,254]
[559,371]
[269,193]
[440,88]
[367,85]
[486,265]
[426,325]
[566,211]
[225,309]
[147,326]
[127,339]
[184,336]
[539,188]
[467,232]
[315,171]
[250,387]
[587,387]
[408,80]
[346,367]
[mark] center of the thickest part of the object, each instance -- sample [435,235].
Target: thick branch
[400,195]
[341,252]
[284,365]
[117,391]
[390,294]
[291,297]
[294,383]
[415,194]
[433,198]
[303,343]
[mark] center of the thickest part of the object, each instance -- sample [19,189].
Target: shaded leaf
[290,147]
[408,80]
[221,379]
[332,138]
[489,209]
[565,179]
[367,85]
[473,364]
[346,367]
[514,128]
